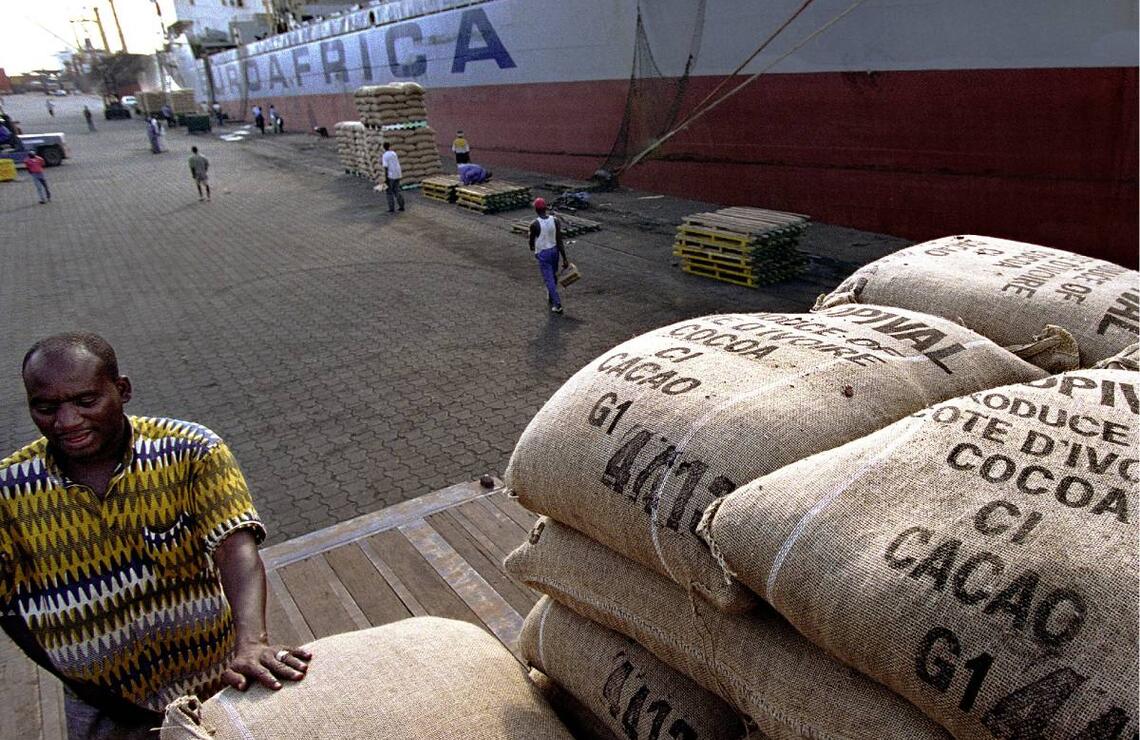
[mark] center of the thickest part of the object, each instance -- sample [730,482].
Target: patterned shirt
[122,592]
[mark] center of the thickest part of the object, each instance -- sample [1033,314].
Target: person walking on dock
[259,119]
[89,118]
[128,551]
[546,245]
[51,108]
[199,166]
[461,149]
[392,175]
[153,131]
[35,167]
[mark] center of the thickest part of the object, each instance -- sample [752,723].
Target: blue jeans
[548,264]
[394,194]
[41,186]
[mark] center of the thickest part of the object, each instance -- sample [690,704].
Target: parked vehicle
[116,110]
[52,147]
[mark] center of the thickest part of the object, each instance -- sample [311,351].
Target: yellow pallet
[740,271]
[715,274]
[698,242]
[730,258]
[716,236]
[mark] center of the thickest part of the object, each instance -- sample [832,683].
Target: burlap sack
[623,684]
[1126,359]
[979,557]
[579,721]
[756,662]
[634,446]
[1007,291]
[416,678]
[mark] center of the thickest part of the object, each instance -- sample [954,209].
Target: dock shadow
[549,345]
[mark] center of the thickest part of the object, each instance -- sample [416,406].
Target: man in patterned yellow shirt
[128,551]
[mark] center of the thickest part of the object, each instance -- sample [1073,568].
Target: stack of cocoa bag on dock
[382,105]
[397,114]
[908,513]
[418,151]
[350,147]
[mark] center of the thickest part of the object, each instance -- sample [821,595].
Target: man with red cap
[546,245]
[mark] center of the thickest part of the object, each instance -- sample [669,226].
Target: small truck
[52,147]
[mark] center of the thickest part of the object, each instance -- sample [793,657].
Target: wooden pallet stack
[743,246]
[440,187]
[571,225]
[492,197]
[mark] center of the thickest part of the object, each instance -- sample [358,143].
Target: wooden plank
[518,596]
[499,528]
[277,622]
[717,275]
[375,596]
[490,550]
[315,597]
[504,520]
[488,545]
[406,598]
[487,603]
[511,507]
[328,538]
[52,712]
[280,594]
[420,578]
[20,700]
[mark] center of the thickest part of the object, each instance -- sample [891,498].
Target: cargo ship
[918,118]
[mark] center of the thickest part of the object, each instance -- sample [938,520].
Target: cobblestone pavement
[352,359]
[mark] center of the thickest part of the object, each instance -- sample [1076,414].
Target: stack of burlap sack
[397,114]
[416,147]
[350,146]
[373,149]
[424,677]
[381,105]
[909,513]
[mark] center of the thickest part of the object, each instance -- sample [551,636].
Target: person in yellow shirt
[128,551]
[461,149]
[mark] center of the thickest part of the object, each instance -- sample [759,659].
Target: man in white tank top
[546,244]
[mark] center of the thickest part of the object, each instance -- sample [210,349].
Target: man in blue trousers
[546,244]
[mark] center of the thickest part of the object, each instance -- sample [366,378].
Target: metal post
[115,14]
[102,33]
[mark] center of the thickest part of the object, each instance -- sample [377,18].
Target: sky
[34,31]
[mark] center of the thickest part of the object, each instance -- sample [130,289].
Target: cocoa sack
[580,722]
[756,662]
[620,682]
[1006,290]
[979,557]
[634,446]
[422,678]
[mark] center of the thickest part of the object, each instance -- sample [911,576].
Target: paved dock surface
[352,359]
